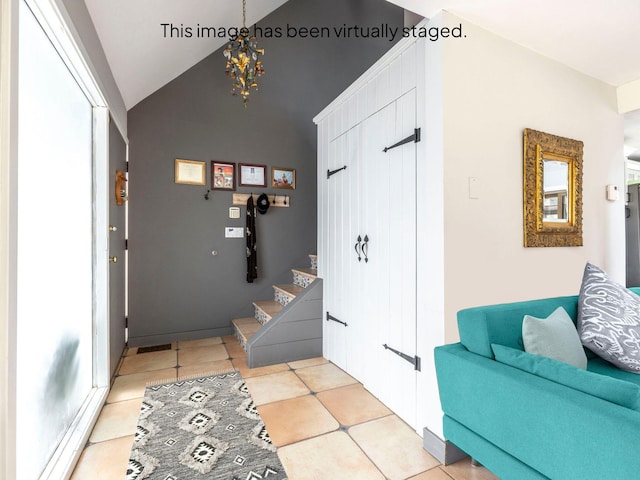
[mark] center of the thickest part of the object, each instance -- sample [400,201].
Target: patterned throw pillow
[609,319]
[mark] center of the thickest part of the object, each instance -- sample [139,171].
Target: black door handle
[365,248]
[356,246]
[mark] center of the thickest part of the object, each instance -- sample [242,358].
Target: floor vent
[154,348]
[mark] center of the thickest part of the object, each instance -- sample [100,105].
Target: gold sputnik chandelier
[243,60]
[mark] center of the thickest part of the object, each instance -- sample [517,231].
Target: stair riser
[302,280]
[282,298]
[241,339]
[261,316]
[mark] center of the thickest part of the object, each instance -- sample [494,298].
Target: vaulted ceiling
[142,57]
[595,37]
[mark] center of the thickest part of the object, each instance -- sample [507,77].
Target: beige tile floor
[324,423]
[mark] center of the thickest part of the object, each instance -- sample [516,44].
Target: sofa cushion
[620,392]
[602,367]
[554,337]
[609,319]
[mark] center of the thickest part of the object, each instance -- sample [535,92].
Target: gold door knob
[113,259]
[112,228]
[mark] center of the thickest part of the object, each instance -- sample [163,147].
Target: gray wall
[178,290]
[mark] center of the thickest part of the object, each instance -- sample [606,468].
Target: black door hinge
[333,172]
[334,319]
[411,138]
[415,360]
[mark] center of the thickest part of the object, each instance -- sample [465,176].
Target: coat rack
[275,200]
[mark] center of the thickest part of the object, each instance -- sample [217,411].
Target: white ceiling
[141,58]
[596,37]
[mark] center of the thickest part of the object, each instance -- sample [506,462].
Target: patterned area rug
[204,428]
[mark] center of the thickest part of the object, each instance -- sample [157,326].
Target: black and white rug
[204,428]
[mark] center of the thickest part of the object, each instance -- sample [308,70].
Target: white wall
[492,90]
[629,97]
[482,91]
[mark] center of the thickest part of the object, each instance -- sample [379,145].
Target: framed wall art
[252,175]
[190,172]
[283,178]
[223,176]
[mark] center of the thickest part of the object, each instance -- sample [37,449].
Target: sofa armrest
[560,432]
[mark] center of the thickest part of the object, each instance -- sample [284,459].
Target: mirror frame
[539,146]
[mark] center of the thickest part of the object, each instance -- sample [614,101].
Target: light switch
[233,232]
[612,193]
[474,188]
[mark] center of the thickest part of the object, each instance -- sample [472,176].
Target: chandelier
[243,60]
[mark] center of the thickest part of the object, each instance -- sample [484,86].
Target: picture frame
[283,178]
[223,176]
[252,175]
[190,172]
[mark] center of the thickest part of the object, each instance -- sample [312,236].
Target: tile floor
[324,423]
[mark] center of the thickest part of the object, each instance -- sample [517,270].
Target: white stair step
[283,294]
[245,328]
[266,309]
[304,276]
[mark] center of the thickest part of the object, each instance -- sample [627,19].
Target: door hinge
[333,172]
[334,319]
[415,360]
[126,244]
[415,138]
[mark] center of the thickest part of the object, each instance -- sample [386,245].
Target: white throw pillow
[554,337]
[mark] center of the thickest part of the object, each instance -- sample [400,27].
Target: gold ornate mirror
[552,190]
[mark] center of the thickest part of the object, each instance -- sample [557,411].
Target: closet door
[397,328]
[341,261]
[388,312]
[371,299]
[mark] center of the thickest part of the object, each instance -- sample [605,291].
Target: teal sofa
[528,417]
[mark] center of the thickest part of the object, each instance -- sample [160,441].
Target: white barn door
[389,312]
[341,261]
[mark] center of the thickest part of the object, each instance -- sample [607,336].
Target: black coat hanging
[252,257]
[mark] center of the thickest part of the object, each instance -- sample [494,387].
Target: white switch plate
[474,188]
[234,212]
[233,232]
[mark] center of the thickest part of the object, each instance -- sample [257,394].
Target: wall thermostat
[234,212]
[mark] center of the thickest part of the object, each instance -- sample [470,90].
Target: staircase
[287,328]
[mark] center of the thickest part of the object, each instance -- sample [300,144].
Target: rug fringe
[204,374]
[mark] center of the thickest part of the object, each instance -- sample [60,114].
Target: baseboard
[176,337]
[442,450]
